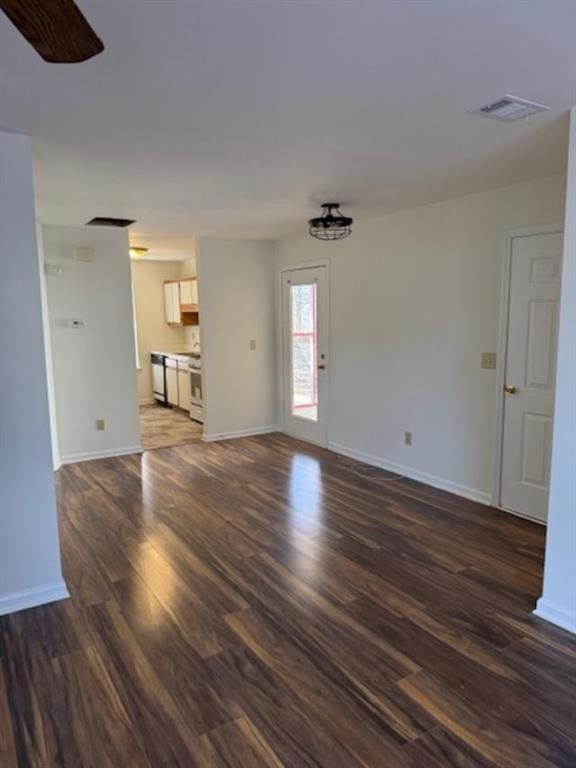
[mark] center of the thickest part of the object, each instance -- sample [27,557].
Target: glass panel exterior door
[304,356]
[305,327]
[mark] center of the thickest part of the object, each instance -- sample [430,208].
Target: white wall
[558,603]
[153,330]
[236,285]
[414,302]
[189,267]
[94,367]
[48,352]
[29,549]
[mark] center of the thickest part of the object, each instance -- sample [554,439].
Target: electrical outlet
[488,361]
[100,425]
[252,345]
[407,438]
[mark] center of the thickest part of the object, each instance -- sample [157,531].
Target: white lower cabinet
[172,381]
[178,384]
[183,386]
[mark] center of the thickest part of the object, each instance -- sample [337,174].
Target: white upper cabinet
[167,300]
[172,302]
[188,293]
[181,301]
[194,289]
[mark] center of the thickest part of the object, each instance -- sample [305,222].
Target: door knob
[510,389]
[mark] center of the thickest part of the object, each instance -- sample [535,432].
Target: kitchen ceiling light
[137,252]
[329,225]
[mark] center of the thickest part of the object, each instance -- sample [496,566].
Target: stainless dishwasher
[159,378]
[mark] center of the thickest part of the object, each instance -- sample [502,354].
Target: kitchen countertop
[183,355]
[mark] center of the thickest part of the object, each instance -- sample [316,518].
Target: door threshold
[521,515]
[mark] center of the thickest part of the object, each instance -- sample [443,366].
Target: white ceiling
[163,246]
[238,118]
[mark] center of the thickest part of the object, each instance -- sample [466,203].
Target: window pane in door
[304,372]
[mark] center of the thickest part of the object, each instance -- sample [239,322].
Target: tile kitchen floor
[162,427]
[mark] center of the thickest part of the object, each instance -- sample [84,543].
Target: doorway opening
[168,353]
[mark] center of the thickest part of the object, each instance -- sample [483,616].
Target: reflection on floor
[163,427]
[262,603]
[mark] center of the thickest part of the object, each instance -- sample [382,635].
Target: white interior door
[530,372]
[305,346]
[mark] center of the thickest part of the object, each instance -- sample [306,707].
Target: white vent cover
[511,108]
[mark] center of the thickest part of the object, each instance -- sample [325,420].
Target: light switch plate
[252,344]
[489,361]
[53,270]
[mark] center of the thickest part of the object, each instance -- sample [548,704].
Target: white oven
[196,397]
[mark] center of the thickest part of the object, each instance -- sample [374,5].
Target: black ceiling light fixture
[331,224]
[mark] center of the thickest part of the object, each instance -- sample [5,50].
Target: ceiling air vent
[511,108]
[106,221]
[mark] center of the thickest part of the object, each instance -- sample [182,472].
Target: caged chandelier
[331,224]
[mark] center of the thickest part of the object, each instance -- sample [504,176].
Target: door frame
[283,362]
[502,351]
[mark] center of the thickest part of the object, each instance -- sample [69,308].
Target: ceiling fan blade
[57,29]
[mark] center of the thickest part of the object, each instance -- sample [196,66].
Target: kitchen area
[169,362]
[176,415]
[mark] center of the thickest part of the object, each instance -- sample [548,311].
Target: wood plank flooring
[264,603]
[162,427]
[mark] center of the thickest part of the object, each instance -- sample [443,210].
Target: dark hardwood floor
[262,602]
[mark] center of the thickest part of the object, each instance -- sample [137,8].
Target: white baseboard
[414,474]
[319,443]
[566,619]
[521,515]
[31,598]
[72,458]
[240,433]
